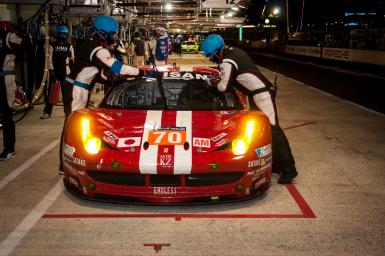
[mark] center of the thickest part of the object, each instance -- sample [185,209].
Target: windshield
[178,94]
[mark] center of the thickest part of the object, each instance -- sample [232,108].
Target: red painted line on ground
[299,125]
[300,201]
[157,246]
[302,204]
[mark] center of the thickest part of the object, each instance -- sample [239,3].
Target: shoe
[287,177]
[45,116]
[7,154]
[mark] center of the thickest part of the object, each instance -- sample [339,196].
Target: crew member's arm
[102,57]
[71,57]
[227,73]
[13,40]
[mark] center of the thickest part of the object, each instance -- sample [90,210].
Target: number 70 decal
[166,137]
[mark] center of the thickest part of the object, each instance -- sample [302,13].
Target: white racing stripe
[148,158]
[13,239]
[183,158]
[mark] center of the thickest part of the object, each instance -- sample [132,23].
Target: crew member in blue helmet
[161,50]
[62,60]
[238,68]
[92,57]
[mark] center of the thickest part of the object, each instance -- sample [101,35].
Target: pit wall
[342,54]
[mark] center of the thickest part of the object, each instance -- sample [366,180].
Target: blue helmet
[61,29]
[212,44]
[105,24]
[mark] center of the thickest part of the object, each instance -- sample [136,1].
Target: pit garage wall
[350,55]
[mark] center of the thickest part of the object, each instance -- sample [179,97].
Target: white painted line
[329,94]
[13,239]
[27,164]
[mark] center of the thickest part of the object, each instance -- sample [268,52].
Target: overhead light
[276,11]
[168,6]
[235,8]
[222,16]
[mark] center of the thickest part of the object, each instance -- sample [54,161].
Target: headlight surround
[241,144]
[91,144]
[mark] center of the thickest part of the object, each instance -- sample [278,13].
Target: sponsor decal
[100,165]
[253,163]
[201,142]
[184,75]
[66,159]
[111,135]
[79,161]
[262,161]
[165,160]
[105,123]
[263,168]
[268,159]
[250,173]
[220,143]
[71,169]
[68,150]
[129,142]
[263,151]
[105,116]
[73,182]
[260,182]
[85,191]
[163,191]
[165,150]
[109,140]
[218,137]
[167,136]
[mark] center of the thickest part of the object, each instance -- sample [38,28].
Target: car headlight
[241,145]
[91,144]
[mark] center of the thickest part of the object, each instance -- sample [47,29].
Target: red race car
[173,139]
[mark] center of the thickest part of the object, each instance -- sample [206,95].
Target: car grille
[191,180]
[118,178]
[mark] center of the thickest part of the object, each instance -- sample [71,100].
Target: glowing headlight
[239,146]
[91,144]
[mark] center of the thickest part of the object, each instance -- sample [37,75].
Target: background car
[189,47]
[170,140]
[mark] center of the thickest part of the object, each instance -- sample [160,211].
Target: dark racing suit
[62,61]
[91,59]
[237,67]
[9,42]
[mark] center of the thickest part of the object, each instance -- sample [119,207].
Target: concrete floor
[335,207]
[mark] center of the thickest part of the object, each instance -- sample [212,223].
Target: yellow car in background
[189,47]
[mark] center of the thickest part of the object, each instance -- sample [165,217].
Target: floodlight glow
[168,6]
[276,11]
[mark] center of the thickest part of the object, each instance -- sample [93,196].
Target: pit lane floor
[336,206]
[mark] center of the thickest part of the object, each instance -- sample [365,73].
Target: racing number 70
[166,137]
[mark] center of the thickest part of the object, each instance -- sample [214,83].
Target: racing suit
[237,67]
[62,61]
[91,59]
[9,42]
[161,51]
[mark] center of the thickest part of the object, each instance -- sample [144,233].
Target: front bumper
[243,188]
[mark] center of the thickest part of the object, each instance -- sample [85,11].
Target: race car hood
[123,129]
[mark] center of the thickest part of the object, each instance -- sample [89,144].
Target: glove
[214,80]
